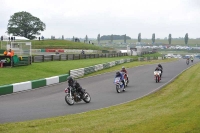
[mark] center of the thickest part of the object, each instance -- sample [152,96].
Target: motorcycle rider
[74,84]
[161,68]
[191,58]
[124,70]
[158,69]
[119,74]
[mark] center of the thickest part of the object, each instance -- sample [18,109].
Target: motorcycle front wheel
[69,100]
[118,88]
[87,97]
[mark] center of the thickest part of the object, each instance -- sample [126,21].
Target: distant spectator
[39,38]
[14,38]
[10,53]
[9,38]
[42,38]
[5,52]
[82,52]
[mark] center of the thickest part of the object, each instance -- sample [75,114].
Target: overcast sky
[105,17]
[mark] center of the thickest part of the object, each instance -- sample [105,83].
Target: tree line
[114,37]
[186,38]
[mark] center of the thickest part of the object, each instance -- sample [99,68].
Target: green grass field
[174,109]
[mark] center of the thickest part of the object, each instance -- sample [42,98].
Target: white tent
[20,38]
[17,38]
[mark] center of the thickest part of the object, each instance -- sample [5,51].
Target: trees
[98,38]
[170,38]
[111,38]
[125,38]
[86,39]
[139,37]
[153,38]
[24,24]
[115,37]
[186,38]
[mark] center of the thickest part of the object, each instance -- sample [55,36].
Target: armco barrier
[121,61]
[140,58]
[16,87]
[112,63]
[117,62]
[106,65]
[88,70]
[98,67]
[83,71]
[77,72]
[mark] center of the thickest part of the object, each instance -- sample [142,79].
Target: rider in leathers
[158,69]
[74,84]
[125,71]
[161,68]
[118,74]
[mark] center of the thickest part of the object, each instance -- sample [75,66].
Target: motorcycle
[126,81]
[187,61]
[72,96]
[157,76]
[119,85]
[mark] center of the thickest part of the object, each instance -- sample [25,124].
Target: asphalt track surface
[49,101]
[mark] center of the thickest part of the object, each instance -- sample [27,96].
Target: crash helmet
[159,65]
[157,68]
[117,74]
[123,67]
[70,80]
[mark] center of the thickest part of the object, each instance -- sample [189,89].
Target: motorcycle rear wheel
[157,79]
[87,97]
[69,100]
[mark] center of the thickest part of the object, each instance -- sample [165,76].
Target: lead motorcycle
[72,96]
[157,76]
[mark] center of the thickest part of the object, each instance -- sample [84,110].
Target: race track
[49,101]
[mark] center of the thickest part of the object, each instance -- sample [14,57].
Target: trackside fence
[59,57]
